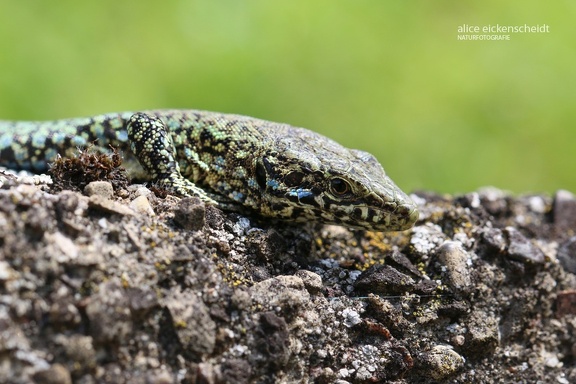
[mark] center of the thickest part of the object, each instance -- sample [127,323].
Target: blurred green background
[387,77]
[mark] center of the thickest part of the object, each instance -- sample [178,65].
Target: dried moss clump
[74,173]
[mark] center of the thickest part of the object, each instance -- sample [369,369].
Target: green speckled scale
[234,162]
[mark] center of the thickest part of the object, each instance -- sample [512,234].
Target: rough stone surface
[96,289]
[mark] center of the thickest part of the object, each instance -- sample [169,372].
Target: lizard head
[308,177]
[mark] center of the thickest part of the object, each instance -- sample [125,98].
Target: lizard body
[232,161]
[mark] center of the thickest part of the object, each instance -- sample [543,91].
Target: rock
[236,371]
[268,245]
[190,214]
[273,339]
[56,374]
[102,204]
[567,254]
[455,260]
[191,321]
[482,337]
[384,279]
[494,239]
[6,272]
[441,362]
[566,303]
[520,248]
[351,317]
[99,188]
[311,280]
[109,313]
[115,295]
[564,211]
[142,206]
[79,351]
[402,263]
[63,246]
[284,293]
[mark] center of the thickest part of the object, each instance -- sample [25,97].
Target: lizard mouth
[405,216]
[389,217]
[379,215]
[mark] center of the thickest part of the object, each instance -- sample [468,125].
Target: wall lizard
[234,162]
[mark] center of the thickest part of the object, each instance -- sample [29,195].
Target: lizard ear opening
[261,174]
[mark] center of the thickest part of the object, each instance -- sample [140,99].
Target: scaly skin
[234,162]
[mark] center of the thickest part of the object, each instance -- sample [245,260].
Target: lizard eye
[339,187]
[294,179]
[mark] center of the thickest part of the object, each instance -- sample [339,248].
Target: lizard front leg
[152,145]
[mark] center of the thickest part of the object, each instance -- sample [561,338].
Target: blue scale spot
[252,183]
[116,123]
[38,140]
[21,156]
[220,160]
[78,141]
[238,196]
[272,183]
[189,153]
[98,130]
[5,141]
[172,124]
[58,137]
[122,136]
[300,193]
[39,164]
[50,154]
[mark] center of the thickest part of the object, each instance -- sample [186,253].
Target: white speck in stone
[351,318]
[475,200]
[537,204]
[343,373]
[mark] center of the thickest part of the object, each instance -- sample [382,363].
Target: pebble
[452,256]
[384,279]
[567,254]
[56,374]
[106,205]
[483,336]
[312,281]
[142,205]
[566,303]
[520,248]
[494,239]
[441,362]
[351,317]
[194,327]
[190,214]
[100,188]
[402,262]
[564,211]
[6,272]
[67,249]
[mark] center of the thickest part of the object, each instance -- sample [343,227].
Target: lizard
[234,162]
